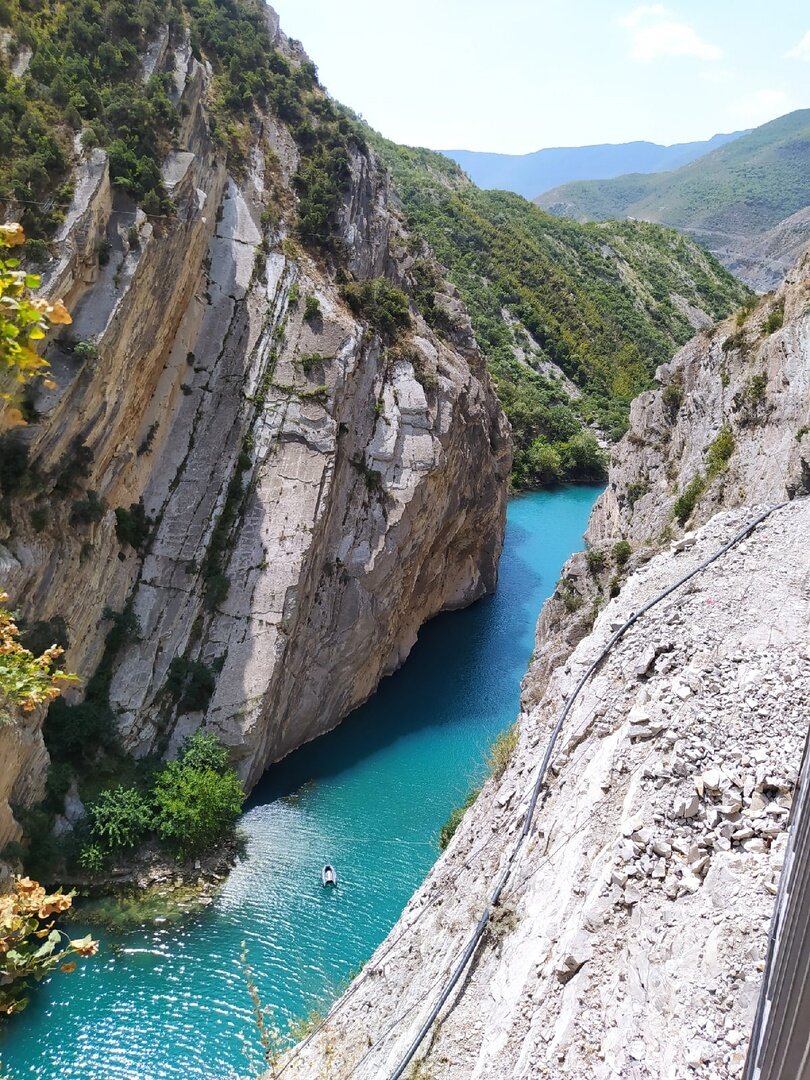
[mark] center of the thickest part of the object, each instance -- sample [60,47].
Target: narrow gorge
[314,404]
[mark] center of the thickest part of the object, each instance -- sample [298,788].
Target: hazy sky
[517,75]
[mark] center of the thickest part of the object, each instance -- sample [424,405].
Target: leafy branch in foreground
[24,321]
[26,680]
[31,946]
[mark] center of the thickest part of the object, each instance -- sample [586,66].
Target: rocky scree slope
[630,939]
[314,485]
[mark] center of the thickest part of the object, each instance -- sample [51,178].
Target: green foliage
[748,305]
[202,750]
[14,469]
[39,518]
[775,319]
[310,360]
[92,858]
[572,601]
[43,634]
[596,560]
[672,398]
[686,502]
[26,680]
[88,511]
[57,785]
[85,351]
[191,803]
[119,818]
[500,753]
[249,71]
[213,568]
[582,459]
[74,733]
[195,806]
[79,733]
[734,341]
[384,306]
[75,468]
[312,308]
[24,320]
[622,552]
[31,947]
[597,301]
[498,757]
[636,489]
[132,526]
[720,451]
[190,683]
[149,438]
[448,830]
[84,70]
[751,401]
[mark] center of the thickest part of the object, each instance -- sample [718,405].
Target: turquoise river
[169,1000]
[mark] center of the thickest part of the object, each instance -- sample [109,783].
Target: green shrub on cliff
[84,74]
[198,797]
[119,818]
[384,306]
[450,827]
[190,803]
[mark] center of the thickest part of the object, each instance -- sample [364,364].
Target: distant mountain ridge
[533,174]
[729,200]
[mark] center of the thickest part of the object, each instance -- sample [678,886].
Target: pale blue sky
[516,75]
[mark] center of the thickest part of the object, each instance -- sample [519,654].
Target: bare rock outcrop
[25,764]
[728,427]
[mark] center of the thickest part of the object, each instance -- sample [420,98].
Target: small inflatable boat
[328,875]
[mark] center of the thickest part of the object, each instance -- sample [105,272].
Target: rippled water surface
[171,1002]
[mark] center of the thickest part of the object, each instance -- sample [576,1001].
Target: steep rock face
[22,777]
[316,493]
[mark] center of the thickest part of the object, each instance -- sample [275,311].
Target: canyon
[630,938]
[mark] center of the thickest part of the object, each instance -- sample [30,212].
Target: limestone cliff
[630,938]
[315,490]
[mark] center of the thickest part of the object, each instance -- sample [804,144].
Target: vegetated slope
[602,305]
[532,174]
[741,190]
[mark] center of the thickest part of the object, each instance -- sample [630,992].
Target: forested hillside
[746,187]
[532,174]
[604,304]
